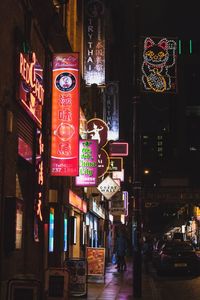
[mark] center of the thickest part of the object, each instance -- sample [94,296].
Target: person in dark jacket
[121,248]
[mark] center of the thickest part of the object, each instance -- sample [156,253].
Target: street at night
[99,150]
[168,287]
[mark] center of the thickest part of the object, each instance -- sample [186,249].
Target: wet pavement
[119,286]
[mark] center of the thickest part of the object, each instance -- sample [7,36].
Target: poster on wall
[88,150]
[96,261]
[77,268]
[65,115]
[159,65]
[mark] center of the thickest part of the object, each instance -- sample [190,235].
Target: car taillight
[165,253]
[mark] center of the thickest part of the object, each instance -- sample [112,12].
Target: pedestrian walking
[121,249]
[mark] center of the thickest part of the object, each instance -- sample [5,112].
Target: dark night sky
[172,19]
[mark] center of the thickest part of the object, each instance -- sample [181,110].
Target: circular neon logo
[65,82]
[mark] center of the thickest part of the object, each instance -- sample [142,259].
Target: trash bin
[77,268]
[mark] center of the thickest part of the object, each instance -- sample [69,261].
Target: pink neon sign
[87,163]
[31,91]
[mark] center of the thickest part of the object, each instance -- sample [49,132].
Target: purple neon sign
[87,163]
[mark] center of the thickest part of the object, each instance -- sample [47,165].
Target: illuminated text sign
[94,65]
[65,115]
[87,163]
[108,187]
[31,92]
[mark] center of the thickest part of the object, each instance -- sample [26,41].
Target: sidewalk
[119,286]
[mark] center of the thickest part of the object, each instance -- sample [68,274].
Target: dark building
[44,220]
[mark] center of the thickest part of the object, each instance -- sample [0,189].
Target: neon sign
[40,175]
[159,65]
[65,115]
[31,91]
[118,149]
[87,163]
[94,65]
[111,110]
[39,189]
[65,232]
[51,230]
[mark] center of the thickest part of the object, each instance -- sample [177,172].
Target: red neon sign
[65,115]
[31,92]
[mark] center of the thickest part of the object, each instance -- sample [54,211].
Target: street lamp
[136,184]
[136,215]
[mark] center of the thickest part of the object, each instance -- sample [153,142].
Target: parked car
[176,255]
[178,236]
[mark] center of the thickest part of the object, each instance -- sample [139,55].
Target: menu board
[96,261]
[77,268]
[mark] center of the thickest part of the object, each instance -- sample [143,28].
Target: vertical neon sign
[94,37]
[65,232]
[51,229]
[65,115]
[74,235]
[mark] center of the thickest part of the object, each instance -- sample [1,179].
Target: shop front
[95,220]
[77,232]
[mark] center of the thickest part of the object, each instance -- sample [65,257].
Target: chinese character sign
[31,90]
[159,65]
[87,163]
[38,203]
[65,115]
[94,42]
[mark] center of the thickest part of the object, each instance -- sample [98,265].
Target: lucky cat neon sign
[158,68]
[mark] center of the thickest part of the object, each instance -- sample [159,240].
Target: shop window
[13,233]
